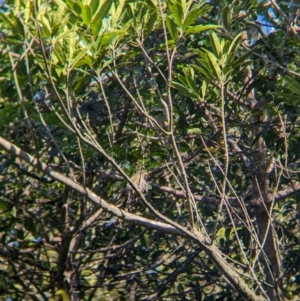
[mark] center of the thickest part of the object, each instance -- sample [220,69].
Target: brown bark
[269,256]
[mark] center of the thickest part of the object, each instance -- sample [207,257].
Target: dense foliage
[149,150]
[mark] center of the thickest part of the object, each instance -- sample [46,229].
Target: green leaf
[172,28]
[235,69]
[200,28]
[195,13]
[6,20]
[96,27]
[215,43]
[72,44]
[194,131]
[176,11]
[225,44]
[205,72]
[28,11]
[58,55]
[214,64]
[12,22]
[93,6]
[13,211]
[47,30]
[183,89]
[62,5]
[292,84]
[86,14]
[182,79]
[116,13]
[151,21]
[226,17]
[109,37]
[235,44]
[203,57]
[190,18]
[288,98]
[73,6]
[3,206]
[77,9]
[191,80]
[101,12]
[237,62]
[145,241]
[82,57]
[203,89]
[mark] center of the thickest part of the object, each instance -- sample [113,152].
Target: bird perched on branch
[139,179]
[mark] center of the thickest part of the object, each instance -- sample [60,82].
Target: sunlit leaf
[175,7]
[215,43]
[214,64]
[28,11]
[117,13]
[101,12]
[82,58]
[203,89]
[194,131]
[200,28]
[108,38]
[86,14]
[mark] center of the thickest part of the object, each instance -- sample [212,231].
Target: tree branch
[211,250]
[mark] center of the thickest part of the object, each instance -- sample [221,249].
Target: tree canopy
[149,150]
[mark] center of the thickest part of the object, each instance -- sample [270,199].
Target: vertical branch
[260,191]
[170,58]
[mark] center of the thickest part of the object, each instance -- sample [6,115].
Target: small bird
[139,179]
